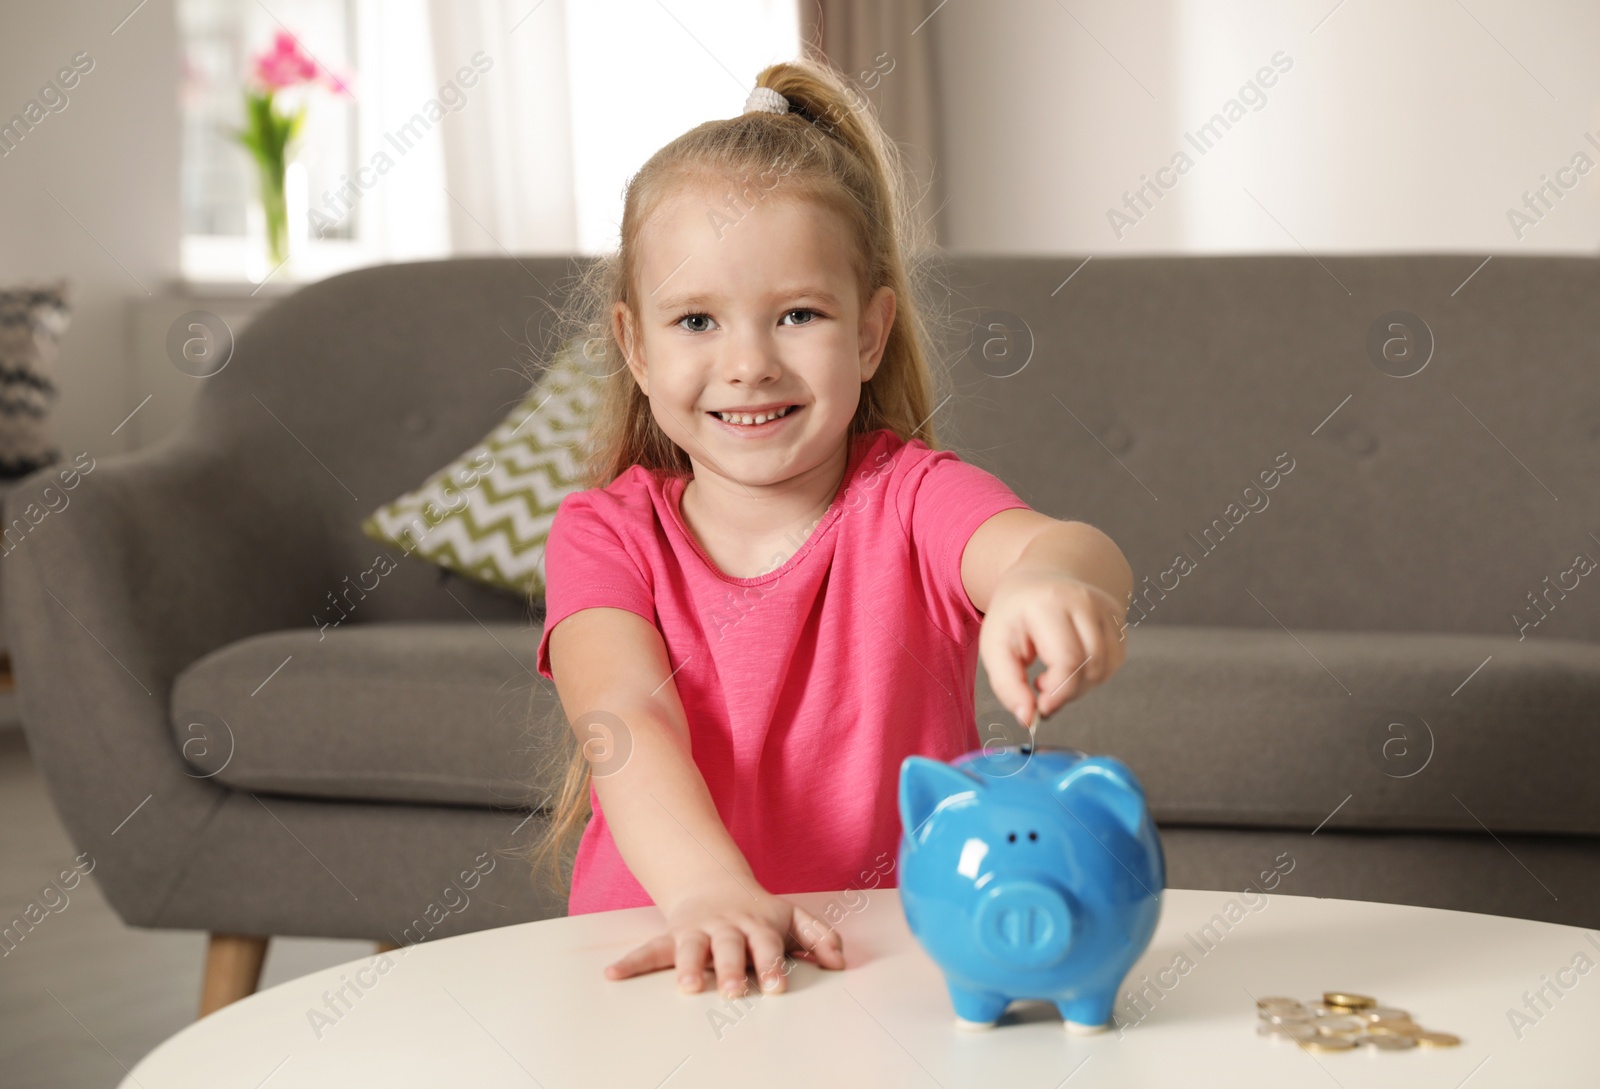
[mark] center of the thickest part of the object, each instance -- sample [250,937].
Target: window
[574,95]
[222,225]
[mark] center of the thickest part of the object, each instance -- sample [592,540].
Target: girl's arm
[655,800]
[661,813]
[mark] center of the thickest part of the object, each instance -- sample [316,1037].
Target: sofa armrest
[111,587]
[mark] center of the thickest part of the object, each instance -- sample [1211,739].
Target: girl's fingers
[1116,645]
[653,954]
[1091,637]
[1062,649]
[1007,664]
[766,953]
[819,939]
[689,951]
[693,950]
[728,951]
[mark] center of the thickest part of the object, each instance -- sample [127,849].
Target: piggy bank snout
[1023,923]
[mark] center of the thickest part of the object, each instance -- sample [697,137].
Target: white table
[527,1006]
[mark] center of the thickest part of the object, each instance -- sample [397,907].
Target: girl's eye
[808,312]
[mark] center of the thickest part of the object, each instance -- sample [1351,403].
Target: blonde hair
[830,148]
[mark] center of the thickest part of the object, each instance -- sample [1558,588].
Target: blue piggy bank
[1029,873]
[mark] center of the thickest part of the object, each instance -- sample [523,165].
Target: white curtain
[507,150]
[569,99]
[578,96]
[401,210]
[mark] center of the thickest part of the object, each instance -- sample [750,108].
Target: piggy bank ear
[1110,784]
[924,785]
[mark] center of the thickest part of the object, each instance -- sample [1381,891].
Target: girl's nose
[751,356]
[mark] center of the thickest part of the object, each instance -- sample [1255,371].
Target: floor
[84,997]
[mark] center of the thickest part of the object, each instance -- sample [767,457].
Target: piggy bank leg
[1087,1014]
[977,1010]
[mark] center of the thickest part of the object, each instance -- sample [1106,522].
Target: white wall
[1401,125]
[110,158]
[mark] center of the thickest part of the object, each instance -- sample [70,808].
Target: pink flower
[285,64]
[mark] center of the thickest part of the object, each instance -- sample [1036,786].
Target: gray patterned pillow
[486,515]
[32,319]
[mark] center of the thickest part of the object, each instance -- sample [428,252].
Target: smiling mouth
[747,419]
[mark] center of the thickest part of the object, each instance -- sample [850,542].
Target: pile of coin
[1341,1021]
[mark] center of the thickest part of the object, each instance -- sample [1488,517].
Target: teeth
[747,419]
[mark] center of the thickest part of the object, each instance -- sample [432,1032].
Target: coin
[1389,1043]
[1278,1001]
[1345,1021]
[1329,1043]
[1281,1016]
[1338,1026]
[1290,1031]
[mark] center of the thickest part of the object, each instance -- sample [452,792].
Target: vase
[275,212]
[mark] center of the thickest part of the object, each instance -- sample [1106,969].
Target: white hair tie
[766,100]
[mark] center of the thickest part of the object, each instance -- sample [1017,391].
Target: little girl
[775,588]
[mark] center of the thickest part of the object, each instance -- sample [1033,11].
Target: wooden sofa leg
[233,969]
[387,947]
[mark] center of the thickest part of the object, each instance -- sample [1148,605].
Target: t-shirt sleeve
[941,501]
[587,565]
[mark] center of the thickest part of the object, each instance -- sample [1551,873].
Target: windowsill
[235,265]
[230,289]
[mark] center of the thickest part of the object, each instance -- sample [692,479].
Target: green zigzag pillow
[486,515]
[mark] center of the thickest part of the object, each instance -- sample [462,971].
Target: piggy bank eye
[1012,838]
[1033,835]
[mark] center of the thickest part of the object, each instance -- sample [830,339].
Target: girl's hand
[724,920]
[1076,628]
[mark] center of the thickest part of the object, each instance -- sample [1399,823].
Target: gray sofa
[1329,697]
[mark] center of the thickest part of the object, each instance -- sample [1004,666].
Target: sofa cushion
[1224,726]
[401,712]
[1366,730]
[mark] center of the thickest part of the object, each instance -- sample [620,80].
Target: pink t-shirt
[804,687]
